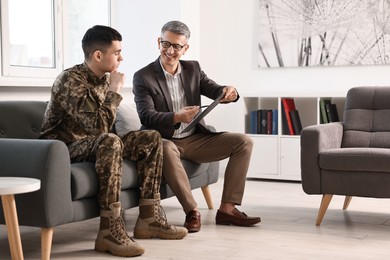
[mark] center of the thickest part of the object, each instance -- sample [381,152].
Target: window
[29,38]
[35,35]
[82,15]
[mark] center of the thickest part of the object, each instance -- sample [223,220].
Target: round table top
[16,185]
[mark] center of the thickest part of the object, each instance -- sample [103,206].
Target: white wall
[140,24]
[223,40]
[228,56]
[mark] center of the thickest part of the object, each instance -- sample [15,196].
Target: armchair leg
[326,198]
[207,196]
[46,241]
[346,202]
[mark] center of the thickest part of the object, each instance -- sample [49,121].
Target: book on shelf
[274,121]
[262,121]
[296,122]
[331,110]
[284,122]
[288,105]
[253,122]
[323,112]
[269,122]
[328,111]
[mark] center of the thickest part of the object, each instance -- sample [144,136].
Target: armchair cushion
[356,159]
[366,118]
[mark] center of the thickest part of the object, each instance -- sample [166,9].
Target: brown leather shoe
[237,219]
[193,221]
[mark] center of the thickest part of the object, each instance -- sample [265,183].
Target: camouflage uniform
[81,113]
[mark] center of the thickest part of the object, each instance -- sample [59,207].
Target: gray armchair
[68,190]
[350,158]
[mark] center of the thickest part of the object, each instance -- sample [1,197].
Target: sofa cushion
[126,118]
[356,159]
[84,181]
[21,119]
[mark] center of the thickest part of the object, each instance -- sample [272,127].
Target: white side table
[8,187]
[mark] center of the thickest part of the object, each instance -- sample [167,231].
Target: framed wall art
[323,32]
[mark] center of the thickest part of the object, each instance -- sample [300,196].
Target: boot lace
[160,215]
[118,230]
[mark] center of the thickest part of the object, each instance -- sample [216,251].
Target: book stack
[328,111]
[264,121]
[291,122]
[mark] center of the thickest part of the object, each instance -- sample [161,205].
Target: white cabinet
[264,161]
[277,156]
[290,158]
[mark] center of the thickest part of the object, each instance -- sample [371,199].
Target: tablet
[202,114]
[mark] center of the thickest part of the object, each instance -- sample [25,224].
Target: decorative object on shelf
[323,33]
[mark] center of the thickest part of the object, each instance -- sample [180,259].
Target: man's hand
[185,115]
[230,94]
[117,80]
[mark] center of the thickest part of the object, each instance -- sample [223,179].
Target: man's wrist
[176,118]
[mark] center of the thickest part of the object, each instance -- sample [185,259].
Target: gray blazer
[154,103]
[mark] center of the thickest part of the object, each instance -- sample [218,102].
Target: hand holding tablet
[202,114]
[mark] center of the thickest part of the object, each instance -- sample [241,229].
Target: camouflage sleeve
[82,107]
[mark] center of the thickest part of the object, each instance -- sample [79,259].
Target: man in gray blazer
[168,96]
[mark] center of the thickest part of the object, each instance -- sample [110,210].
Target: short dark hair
[176,27]
[99,37]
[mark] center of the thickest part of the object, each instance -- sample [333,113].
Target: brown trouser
[203,148]
[108,150]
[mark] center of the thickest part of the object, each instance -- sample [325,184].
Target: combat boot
[112,236]
[152,222]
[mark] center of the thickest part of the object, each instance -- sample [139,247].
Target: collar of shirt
[167,74]
[177,96]
[91,77]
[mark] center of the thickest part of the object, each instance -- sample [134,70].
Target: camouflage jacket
[80,106]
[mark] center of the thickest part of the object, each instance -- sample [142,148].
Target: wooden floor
[287,230]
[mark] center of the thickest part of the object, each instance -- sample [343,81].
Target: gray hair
[176,27]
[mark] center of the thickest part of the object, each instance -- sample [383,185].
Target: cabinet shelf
[278,156]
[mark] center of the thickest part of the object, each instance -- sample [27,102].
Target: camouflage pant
[108,151]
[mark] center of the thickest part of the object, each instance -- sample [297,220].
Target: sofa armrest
[314,140]
[48,161]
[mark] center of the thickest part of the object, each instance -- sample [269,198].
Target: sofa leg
[207,196]
[46,241]
[346,202]
[326,198]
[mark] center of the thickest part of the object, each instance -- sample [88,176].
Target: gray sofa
[68,191]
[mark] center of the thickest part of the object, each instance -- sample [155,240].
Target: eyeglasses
[175,46]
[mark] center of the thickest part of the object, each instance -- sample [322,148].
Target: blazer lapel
[162,82]
[185,82]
